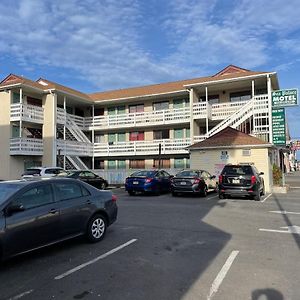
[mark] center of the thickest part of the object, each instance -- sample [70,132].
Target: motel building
[44,123]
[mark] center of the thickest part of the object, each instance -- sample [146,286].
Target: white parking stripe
[94,260]
[212,197]
[220,277]
[266,198]
[21,295]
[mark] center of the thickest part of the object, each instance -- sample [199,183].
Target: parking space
[165,247]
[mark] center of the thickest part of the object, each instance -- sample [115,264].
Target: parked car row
[159,181]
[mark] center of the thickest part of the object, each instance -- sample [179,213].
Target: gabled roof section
[230,70]
[48,85]
[13,79]
[229,137]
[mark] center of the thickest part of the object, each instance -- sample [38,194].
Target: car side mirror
[261,173]
[14,208]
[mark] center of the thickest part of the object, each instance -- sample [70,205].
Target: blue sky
[93,45]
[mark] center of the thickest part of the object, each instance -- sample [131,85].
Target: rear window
[143,174]
[237,170]
[32,172]
[187,174]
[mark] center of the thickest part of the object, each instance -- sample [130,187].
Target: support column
[21,112]
[269,87]
[65,118]
[191,115]
[49,129]
[207,110]
[253,120]
[93,137]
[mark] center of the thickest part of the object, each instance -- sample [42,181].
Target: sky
[93,45]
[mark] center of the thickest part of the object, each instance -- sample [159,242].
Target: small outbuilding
[230,146]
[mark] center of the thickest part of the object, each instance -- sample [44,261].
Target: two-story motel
[43,123]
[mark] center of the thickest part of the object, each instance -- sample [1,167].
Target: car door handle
[53,211]
[88,201]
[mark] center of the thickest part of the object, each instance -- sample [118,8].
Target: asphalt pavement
[165,247]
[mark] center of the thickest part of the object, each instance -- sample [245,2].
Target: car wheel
[131,193]
[221,196]
[257,196]
[263,192]
[96,228]
[204,192]
[174,194]
[157,192]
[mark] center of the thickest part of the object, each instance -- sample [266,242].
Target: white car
[42,172]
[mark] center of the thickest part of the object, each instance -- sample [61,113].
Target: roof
[229,72]
[229,138]
[47,84]
[13,79]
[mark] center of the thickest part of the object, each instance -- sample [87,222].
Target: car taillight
[114,198]
[220,178]
[148,180]
[253,179]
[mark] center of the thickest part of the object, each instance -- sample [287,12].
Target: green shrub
[277,175]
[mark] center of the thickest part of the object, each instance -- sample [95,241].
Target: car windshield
[7,189]
[237,170]
[32,172]
[143,174]
[187,174]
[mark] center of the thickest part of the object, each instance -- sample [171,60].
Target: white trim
[141,96]
[228,80]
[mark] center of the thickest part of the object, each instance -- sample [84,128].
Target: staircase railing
[235,119]
[77,163]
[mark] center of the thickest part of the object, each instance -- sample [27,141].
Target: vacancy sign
[284,98]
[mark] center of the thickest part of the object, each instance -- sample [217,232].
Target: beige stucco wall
[49,130]
[211,161]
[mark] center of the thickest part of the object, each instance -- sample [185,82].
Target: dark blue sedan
[152,181]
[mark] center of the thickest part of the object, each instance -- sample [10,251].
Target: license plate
[135,182]
[183,183]
[235,181]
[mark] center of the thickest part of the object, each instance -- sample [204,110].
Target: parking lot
[165,247]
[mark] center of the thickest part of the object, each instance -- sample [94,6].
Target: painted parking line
[21,295]
[220,277]
[94,260]
[266,198]
[213,197]
[284,212]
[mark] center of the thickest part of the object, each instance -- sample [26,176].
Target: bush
[277,175]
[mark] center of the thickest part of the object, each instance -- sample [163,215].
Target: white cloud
[102,40]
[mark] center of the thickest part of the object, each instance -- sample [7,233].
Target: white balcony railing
[26,146]
[74,148]
[26,112]
[168,146]
[220,111]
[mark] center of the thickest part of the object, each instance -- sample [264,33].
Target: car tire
[257,196]
[222,196]
[263,192]
[204,192]
[131,193]
[174,194]
[96,228]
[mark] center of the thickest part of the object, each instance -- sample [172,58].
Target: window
[178,133]
[37,196]
[87,174]
[15,131]
[111,164]
[137,164]
[180,103]
[99,138]
[53,171]
[136,108]
[116,110]
[161,134]
[161,105]
[178,163]
[99,164]
[246,152]
[136,136]
[34,101]
[98,111]
[213,99]
[164,163]
[111,111]
[187,162]
[240,96]
[187,133]
[112,137]
[121,164]
[66,191]
[16,98]
[121,137]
